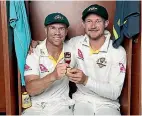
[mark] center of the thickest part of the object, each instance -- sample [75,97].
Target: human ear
[106,23]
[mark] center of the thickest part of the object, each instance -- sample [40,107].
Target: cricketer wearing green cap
[56,18]
[45,70]
[100,71]
[95,9]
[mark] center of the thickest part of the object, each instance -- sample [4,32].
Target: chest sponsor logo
[43,68]
[122,68]
[101,62]
[80,55]
[27,67]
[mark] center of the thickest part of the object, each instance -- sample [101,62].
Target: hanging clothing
[22,35]
[126,22]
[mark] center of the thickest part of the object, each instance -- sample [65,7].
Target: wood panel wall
[136,77]
[125,98]
[8,67]
[2,81]
[71,9]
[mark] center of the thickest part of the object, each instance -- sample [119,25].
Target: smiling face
[94,26]
[56,33]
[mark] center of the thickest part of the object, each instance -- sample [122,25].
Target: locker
[10,92]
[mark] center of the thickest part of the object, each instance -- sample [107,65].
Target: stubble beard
[96,37]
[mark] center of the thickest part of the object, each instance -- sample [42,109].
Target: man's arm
[36,85]
[111,89]
[33,45]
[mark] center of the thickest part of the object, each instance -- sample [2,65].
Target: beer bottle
[26,100]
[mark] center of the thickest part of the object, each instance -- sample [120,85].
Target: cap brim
[57,22]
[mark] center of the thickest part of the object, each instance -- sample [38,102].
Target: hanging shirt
[22,36]
[105,69]
[126,22]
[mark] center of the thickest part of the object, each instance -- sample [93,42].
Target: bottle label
[26,101]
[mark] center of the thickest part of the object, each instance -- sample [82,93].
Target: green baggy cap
[56,18]
[95,9]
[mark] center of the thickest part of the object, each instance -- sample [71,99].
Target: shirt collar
[43,52]
[42,48]
[86,40]
[104,47]
[59,59]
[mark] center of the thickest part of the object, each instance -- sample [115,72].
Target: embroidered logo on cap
[27,67]
[43,68]
[92,8]
[58,17]
[101,62]
[122,68]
